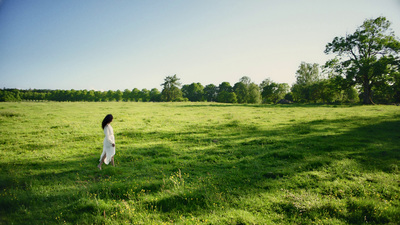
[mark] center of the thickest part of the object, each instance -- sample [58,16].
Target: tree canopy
[367,57]
[171,89]
[193,92]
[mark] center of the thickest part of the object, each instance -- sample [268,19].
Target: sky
[126,44]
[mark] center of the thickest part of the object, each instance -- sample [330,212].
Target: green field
[200,163]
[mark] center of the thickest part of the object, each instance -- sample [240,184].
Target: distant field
[200,163]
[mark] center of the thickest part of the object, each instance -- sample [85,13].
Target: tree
[91,96]
[396,87]
[367,56]
[254,96]
[210,93]
[171,89]
[99,96]
[241,91]
[324,91]
[135,94]
[194,92]
[306,77]
[155,95]
[11,95]
[185,90]
[109,95]
[144,95]
[224,86]
[273,92]
[245,80]
[126,95]
[227,97]
[268,90]
[350,95]
[225,93]
[118,95]
[343,90]
[307,73]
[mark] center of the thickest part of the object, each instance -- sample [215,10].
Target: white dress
[108,149]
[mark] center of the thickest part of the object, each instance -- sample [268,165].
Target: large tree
[171,89]
[306,77]
[367,56]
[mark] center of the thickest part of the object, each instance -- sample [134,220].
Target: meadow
[200,163]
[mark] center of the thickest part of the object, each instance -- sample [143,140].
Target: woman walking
[109,142]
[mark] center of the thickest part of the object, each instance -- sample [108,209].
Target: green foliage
[311,87]
[307,74]
[210,93]
[227,97]
[246,91]
[254,95]
[155,95]
[273,92]
[307,87]
[225,93]
[171,89]
[13,95]
[366,57]
[194,92]
[241,91]
[225,86]
[199,163]
[9,96]
[289,97]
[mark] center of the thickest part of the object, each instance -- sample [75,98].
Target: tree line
[244,91]
[365,68]
[80,95]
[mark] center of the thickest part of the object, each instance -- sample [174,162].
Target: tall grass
[200,163]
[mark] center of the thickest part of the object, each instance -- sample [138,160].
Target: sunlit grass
[200,163]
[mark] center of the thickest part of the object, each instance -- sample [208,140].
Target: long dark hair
[107,120]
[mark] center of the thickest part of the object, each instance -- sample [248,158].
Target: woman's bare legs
[112,161]
[101,161]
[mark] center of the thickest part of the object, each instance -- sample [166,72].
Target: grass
[200,163]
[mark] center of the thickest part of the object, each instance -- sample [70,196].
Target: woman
[109,142]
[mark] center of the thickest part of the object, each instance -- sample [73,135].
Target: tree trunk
[367,93]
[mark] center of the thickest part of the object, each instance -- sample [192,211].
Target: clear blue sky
[110,45]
